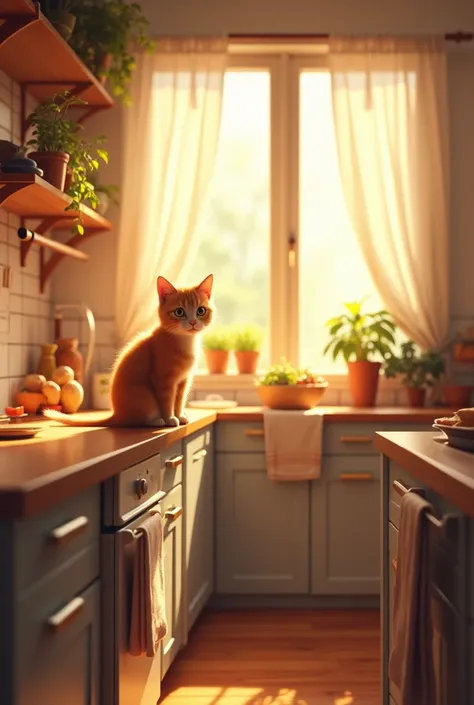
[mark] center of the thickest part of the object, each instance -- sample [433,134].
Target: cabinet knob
[141,487]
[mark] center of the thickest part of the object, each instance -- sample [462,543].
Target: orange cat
[153,373]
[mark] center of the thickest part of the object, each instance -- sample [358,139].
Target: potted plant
[418,370]
[247,341]
[217,344]
[83,162]
[284,386]
[360,338]
[53,136]
[61,15]
[105,33]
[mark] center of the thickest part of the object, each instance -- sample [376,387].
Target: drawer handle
[356,476]
[254,432]
[399,488]
[174,463]
[66,615]
[355,439]
[173,514]
[67,531]
[199,454]
[394,564]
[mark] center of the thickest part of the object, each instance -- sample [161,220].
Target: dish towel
[411,665]
[148,616]
[293,444]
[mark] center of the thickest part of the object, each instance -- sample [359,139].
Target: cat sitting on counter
[153,373]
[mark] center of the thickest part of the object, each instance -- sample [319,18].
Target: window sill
[205,381]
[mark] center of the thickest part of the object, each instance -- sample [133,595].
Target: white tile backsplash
[25,311]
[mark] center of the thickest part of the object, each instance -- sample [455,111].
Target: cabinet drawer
[359,438]
[51,614]
[240,437]
[43,543]
[355,469]
[171,463]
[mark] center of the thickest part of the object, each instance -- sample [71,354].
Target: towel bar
[448,523]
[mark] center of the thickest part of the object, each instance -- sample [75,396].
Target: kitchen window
[274,228]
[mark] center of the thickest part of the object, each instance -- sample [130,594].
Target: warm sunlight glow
[248,696]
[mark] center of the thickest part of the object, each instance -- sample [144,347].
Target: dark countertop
[61,461]
[426,456]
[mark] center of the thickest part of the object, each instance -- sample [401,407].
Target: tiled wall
[24,313]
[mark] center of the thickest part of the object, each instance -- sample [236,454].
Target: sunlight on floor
[248,696]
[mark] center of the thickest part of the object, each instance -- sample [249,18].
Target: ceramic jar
[69,355]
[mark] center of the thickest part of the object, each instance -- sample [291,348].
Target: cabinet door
[171,509]
[345,527]
[59,648]
[262,529]
[199,523]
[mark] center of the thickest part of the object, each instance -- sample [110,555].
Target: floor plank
[279,657]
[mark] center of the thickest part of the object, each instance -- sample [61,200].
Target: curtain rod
[457,37]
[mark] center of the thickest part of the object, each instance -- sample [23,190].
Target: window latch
[292,251]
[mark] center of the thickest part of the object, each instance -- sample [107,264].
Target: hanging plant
[83,163]
[104,37]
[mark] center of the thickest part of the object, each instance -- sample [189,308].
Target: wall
[95,282]
[24,312]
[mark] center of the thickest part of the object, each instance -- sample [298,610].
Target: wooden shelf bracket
[15,23]
[44,227]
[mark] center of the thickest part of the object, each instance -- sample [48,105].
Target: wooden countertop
[336,414]
[426,456]
[61,461]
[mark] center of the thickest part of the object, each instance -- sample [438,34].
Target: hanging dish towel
[293,444]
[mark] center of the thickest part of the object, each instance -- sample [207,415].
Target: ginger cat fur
[153,373]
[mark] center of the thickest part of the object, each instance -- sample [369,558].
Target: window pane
[331,267]
[235,223]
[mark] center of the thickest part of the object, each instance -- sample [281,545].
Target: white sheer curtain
[170,139]
[390,114]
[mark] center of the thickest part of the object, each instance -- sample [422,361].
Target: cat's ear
[165,288]
[205,286]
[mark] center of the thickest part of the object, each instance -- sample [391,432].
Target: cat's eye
[179,312]
[200,311]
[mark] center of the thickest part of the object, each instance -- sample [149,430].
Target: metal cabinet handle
[199,454]
[254,432]
[173,513]
[449,523]
[399,488]
[60,620]
[69,530]
[356,476]
[173,463]
[355,439]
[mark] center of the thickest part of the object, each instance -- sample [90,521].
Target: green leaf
[353,307]
[335,328]
[80,229]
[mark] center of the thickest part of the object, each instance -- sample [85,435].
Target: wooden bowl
[291,396]
[30,401]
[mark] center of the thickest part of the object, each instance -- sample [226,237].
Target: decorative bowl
[291,396]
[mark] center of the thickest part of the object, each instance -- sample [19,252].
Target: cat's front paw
[172,421]
[183,419]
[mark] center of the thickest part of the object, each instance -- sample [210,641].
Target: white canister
[101,391]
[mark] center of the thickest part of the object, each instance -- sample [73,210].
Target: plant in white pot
[364,340]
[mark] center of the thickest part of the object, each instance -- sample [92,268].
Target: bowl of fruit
[286,387]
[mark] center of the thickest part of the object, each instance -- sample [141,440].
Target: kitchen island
[241,539]
[445,476]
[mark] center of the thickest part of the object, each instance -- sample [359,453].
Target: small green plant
[286,374]
[247,338]
[218,338]
[83,162]
[104,35]
[52,130]
[360,336]
[417,369]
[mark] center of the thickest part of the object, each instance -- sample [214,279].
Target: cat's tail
[79,419]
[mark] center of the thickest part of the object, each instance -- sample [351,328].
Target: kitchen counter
[37,473]
[427,457]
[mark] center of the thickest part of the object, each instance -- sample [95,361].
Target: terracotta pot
[246,361]
[364,382]
[103,66]
[68,180]
[68,355]
[217,361]
[457,396]
[416,397]
[54,166]
[64,23]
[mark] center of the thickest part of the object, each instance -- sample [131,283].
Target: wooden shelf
[38,58]
[33,198]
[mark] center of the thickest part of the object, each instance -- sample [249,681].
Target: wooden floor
[279,657]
